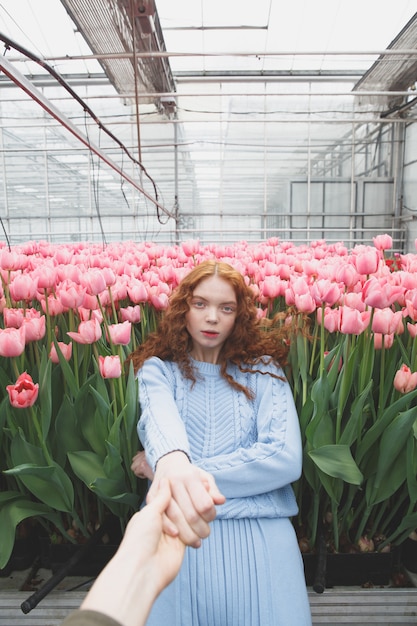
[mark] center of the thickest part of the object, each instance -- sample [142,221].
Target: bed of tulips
[70,315]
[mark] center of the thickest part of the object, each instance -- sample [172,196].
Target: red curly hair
[251,340]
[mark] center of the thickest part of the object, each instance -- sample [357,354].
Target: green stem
[42,441]
[382,378]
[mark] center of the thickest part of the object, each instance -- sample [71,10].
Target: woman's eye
[228,309]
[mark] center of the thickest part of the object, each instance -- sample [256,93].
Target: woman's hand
[194,496]
[140,466]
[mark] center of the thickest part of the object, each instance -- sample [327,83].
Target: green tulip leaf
[382,423]
[337,461]
[393,444]
[45,395]
[13,509]
[354,424]
[50,484]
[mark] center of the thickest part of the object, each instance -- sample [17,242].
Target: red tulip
[404,380]
[24,392]
[110,366]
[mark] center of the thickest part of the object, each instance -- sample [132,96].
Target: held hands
[194,496]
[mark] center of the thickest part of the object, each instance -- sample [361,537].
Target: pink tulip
[137,291]
[12,341]
[70,294]
[354,301]
[110,366]
[347,274]
[88,332]
[54,307]
[412,329]
[331,320]
[325,292]
[367,262]
[46,277]
[404,380]
[120,334]
[94,281]
[13,318]
[66,349]
[385,321]
[380,295]
[383,242]
[131,314]
[35,328]
[191,247]
[24,392]
[23,287]
[12,260]
[159,301]
[353,322]
[304,303]
[383,340]
[273,287]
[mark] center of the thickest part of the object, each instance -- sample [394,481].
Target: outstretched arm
[147,560]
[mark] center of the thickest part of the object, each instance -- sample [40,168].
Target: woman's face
[211,317]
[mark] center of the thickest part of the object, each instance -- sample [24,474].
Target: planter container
[371,568]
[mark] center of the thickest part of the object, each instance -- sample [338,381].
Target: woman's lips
[209,333]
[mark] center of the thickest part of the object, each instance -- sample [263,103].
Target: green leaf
[393,443]
[68,374]
[383,421]
[337,461]
[354,423]
[49,484]
[45,394]
[13,509]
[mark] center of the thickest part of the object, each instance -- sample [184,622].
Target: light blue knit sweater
[252,448]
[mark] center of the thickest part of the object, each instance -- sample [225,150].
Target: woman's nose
[212,316]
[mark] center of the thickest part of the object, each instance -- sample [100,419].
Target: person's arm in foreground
[147,560]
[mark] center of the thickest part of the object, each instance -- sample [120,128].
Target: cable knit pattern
[252,448]
[249,571]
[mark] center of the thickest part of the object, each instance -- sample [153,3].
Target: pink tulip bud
[383,242]
[66,349]
[120,334]
[35,328]
[404,380]
[24,392]
[23,287]
[88,332]
[110,366]
[12,341]
[131,314]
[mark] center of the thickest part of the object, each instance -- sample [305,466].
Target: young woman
[219,422]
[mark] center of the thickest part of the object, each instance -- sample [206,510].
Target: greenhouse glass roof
[196,123]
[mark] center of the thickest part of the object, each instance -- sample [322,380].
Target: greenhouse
[143,141]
